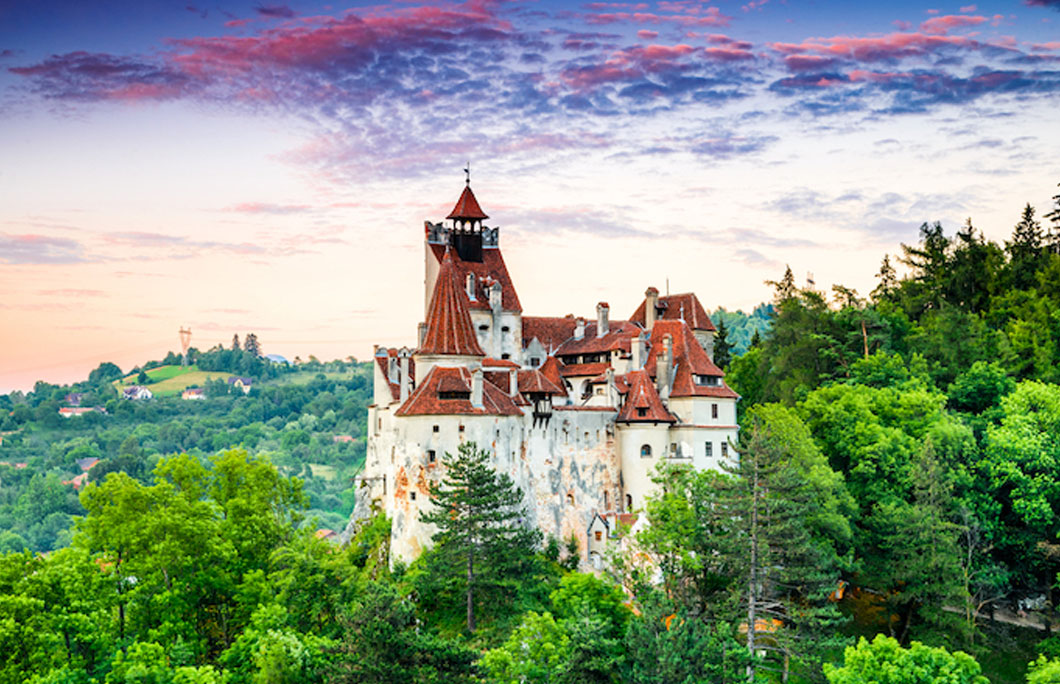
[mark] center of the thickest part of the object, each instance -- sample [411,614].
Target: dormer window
[708,380]
[470,283]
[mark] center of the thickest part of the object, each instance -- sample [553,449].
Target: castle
[577,411]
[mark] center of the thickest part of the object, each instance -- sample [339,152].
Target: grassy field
[167,381]
[324,472]
[303,378]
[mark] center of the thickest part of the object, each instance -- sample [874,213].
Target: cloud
[1049,4]
[40,249]
[266,208]
[943,24]
[275,11]
[72,292]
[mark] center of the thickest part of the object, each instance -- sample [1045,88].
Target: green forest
[892,516]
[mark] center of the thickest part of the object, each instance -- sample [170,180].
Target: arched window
[645,451]
[470,282]
[570,499]
[629,503]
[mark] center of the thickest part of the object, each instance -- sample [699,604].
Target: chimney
[651,303]
[637,344]
[421,333]
[663,363]
[513,381]
[392,369]
[476,388]
[602,325]
[405,380]
[579,328]
[612,391]
[495,297]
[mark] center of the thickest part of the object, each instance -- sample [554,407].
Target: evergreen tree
[482,542]
[784,289]
[251,345]
[888,280]
[1025,250]
[929,263]
[722,348]
[1053,237]
[235,342]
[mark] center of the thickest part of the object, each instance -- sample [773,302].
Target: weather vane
[467,173]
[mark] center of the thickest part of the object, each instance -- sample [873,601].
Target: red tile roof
[579,369]
[619,336]
[490,269]
[550,369]
[383,360]
[424,401]
[449,329]
[550,331]
[690,360]
[642,398]
[677,307]
[467,207]
[498,363]
[534,381]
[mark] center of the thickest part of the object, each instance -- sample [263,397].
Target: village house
[579,411]
[136,393]
[193,394]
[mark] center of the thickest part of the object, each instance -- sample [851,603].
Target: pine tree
[482,536]
[235,342]
[888,280]
[1053,237]
[1025,250]
[784,289]
[722,346]
[251,345]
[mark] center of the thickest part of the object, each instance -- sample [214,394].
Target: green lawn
[167,381]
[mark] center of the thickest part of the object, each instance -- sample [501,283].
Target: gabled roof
[677,307]
[690,360]
[580,369]
[550,369]
[425,400]
[382,358]
[534,381]
[449,329]
[550,331]
[642,398]
[467,207]
[491,269]
[619,336]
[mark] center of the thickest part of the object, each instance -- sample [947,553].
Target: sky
[238,167]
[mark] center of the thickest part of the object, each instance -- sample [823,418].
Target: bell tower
[466,234]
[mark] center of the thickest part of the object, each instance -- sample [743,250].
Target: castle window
[483,327]
[598,535]
[645,451]
[434,428]
[506,356]
[461,428]
[713,410]
[570,499]
[431,456]
[642,412]
[453,395]
[710,449]
[534,362]
[629,502]
[505,328]
[607,501]
[412,496]
[471,286]
[724,448]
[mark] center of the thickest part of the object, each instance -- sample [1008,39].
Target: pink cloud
[727,54]
[944,24]
[712,16]
[626,64]
[968,9]
[720,39]
[644,34]
[808,62]
[1051,45]
[892,46]
[237,23]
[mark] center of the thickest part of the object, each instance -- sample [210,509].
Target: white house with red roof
[578,411]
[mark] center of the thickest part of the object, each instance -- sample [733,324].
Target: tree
[884,661]
[482,536]
[104,372]
[535,653]
[722,347]
[1025,250]
[251,345]
[888,280]
[1053,238]
[142,378]
[383,643]
[235,342]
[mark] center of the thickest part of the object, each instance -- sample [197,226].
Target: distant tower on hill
[185,343]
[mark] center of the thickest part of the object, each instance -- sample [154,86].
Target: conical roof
[467,207]
[449,329]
